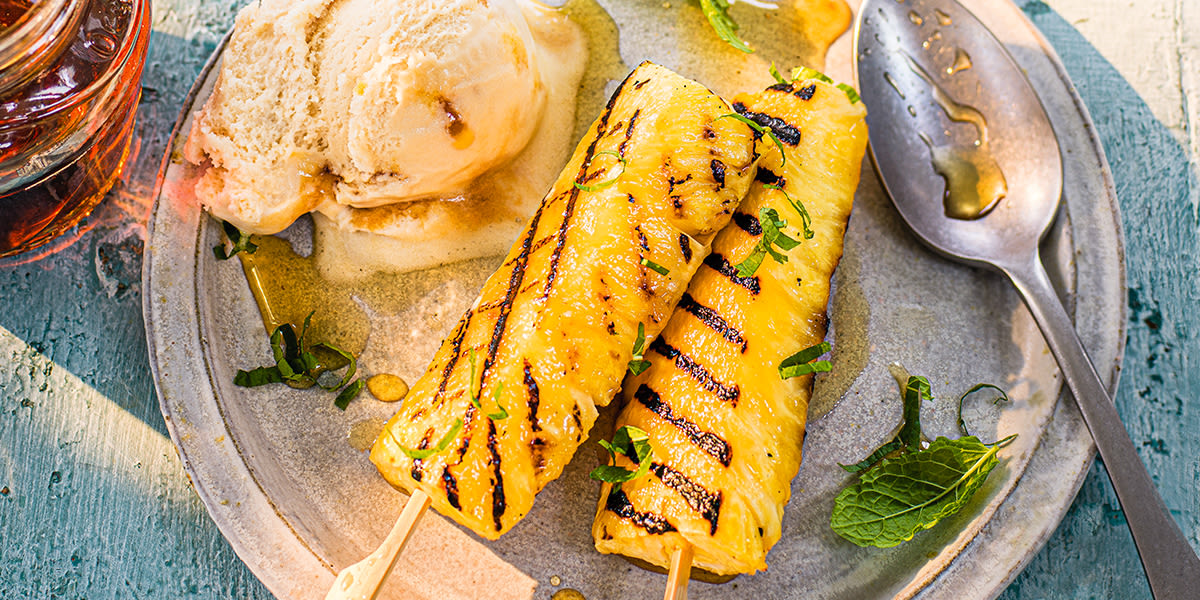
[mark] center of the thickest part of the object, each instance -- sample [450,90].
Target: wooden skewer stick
[361,580]
[681,570]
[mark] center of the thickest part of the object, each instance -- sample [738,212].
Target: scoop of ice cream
[363,103]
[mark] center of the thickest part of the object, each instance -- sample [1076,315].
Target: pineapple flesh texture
[549,338]
[726,431]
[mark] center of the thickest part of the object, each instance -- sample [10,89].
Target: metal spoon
[950,109]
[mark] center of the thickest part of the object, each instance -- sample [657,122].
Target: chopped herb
[257,377]
[638,364]
[471,393]
[348,393]
[962,425]
[850,92]
[805,219]
[809,73]
[717,13]
[906,489]
[442,444]
[241,242]
[607,182]
[298,365]
[775,73]
[760,129]
[801,363]
[653,266]
[772,236]
[632,443]
[503,413]
[353,368]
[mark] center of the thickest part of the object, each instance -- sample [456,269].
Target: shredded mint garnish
[772,236]
[653,266]
[297,365]
[717,13]
[607,182]
[441,446]
[906,489]
[638,364]
[802,362]
[760,129]
[241,242]
[962,425]
[634,444]
[805,219]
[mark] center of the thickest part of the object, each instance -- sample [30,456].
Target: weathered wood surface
[94,503]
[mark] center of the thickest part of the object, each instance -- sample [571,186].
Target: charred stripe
[534,399]
[786,132]
[654,524]
[685,363]
[707,441]
[718,263]
[769,177]
[712,319]
[701,500]
[685,246]
[718,171]
[747,223]
[498,504]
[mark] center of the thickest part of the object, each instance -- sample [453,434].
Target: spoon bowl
[964,148]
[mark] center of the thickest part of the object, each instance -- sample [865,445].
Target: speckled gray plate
[297,502]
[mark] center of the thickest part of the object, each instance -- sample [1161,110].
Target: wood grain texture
[93,500]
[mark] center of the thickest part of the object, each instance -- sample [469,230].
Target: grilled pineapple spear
[513,391]
[725,429]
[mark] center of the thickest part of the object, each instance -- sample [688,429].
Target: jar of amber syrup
[70,80]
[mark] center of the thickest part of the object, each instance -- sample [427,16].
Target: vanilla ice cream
[362,103]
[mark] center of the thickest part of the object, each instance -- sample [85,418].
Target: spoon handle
[1170,563]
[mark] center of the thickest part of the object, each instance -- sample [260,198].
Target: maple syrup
[70,80]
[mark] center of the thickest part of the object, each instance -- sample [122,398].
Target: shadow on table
[99,503]
[1153,178]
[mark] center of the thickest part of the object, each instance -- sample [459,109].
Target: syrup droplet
[943,19]
[567,594]
[915,18]
[974,182]
[962,62]
[892,82]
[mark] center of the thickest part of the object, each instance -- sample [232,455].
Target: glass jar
[70,80]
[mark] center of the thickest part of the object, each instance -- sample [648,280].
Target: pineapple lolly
[725,428]
[514,389]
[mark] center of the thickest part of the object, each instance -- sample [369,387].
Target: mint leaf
[423,453]
[801,363]
[241,243]
[717,13]
[962,425]
[638,363]
[908,494]
[634,444]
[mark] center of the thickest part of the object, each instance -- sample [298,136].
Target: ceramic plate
[298,502]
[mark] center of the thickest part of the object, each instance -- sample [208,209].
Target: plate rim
[306,571]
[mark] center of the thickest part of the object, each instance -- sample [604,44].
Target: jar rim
[130,41]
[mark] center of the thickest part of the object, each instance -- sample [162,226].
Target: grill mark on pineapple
[711,443]
[806,92]
[534,398]
[718,263]
[418,471]
[718,172]
[769,177]
[451,489]
[628,132]
[685,363]
[642,241]
[455,352]
[685,246]
[713,320]
[569,210]
[498,504]
[747,223]
[700,499]
[786,132]
[654,524]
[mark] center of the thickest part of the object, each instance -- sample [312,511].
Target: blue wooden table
[93,500]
